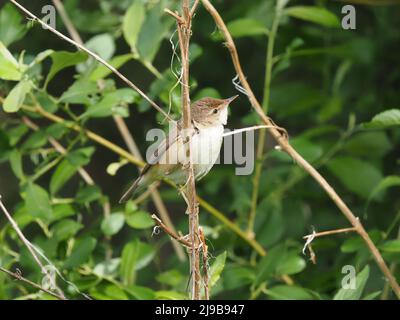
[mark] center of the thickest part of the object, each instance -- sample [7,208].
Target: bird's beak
[229,100]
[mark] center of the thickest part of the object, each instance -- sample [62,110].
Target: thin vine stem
[263,133]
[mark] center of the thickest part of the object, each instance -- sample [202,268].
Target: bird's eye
[215,111]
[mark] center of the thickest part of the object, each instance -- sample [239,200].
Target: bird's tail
[131,191]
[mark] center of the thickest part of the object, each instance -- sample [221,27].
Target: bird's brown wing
[163,147]
[170,139]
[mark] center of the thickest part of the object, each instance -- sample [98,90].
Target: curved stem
[284,143]
[262,135]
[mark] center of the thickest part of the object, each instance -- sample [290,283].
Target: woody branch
[285,146]
[184,26]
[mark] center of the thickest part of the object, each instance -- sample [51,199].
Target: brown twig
[170,232]
[283,142]
[330,232]
[184,27]
[67,21]
[204,248]
[174,15]
[194,7]
[19,277]
[29,246]
[310,237]
[95,56]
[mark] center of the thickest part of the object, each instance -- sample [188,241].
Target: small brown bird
[209,115]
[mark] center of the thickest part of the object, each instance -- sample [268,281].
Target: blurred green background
[336,92]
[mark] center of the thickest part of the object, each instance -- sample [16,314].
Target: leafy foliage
[334,90]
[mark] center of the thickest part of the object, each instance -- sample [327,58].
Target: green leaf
[61,175]
[11,27]
[244,27]
[171,277]
[385,183]
[369,144]
[112,224]
[354,294]
[16,164]
[66,229]
[358,176]
[110,102]
[309,150]
[37,202]
[170,295]
[356,243]
[16,133]
[102,71]
[62,60]
[314,14]
[9,67]
[302,100]
[68,167]
[283,292]
[391,246]
[237,276]
[139,220]
[61,211]
[79,92]
[41,57]
[88,194]
[383,120]
[49,104]
[141,293]
[36,140]
[372,295]
[81,157]
[153,31]
[216,269]
[56,130]
[110,292]
[135,256]
[103,45]
[81,252]
[17,95]
[128,262]
[331,108]
[268,264]
[107,267]
[270,223]
[291,264]
[132,23]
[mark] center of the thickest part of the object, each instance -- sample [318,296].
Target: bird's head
[210,111]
